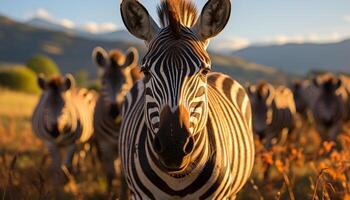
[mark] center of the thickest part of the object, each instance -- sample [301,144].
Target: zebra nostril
[188,148]
[157,145]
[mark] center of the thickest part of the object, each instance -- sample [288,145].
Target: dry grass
[306,168]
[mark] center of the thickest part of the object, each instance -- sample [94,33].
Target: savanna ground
[304,168]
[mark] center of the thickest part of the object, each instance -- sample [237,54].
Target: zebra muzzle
[173,142]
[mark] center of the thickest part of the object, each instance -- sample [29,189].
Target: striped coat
[120,71]
[273,111]
[305,93]
[330,110]
[186,132]
[63,117]
[218,173]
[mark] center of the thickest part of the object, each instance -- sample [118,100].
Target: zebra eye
[205,71]
[145,71]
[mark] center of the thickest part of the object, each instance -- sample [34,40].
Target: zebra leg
[334,131]
[108,154]
[57,174]
[69,157]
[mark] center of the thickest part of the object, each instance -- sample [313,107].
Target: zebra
[119,74]
[186,132]
[63,118]
[304,93]
[330,110]
[346,83]
[273,112]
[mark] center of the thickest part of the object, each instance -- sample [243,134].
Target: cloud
[346,18]
[94,27]
[306,38]
[227,44]
[42,14]
[67,23]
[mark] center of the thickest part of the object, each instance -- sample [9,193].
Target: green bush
[19,79]
[41,64]
[81,78]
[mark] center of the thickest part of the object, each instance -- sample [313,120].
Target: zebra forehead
[177,12]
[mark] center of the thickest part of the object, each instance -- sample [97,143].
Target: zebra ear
[338,84]
[213,19]
[250,89]
[69,82]
[132,58]
[42,82]
[137,20]
[100,56]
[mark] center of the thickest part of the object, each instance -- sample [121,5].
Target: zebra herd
[178,130]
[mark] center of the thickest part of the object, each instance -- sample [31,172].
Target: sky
[251,21]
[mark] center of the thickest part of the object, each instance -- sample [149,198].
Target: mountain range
[301,58]
[72,51]
[291,58]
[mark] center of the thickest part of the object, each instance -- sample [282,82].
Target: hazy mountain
[301,58]
[120,35]
[20,41]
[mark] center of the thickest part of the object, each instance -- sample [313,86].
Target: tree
[19,79]
[41,64]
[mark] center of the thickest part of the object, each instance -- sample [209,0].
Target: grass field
[304,168]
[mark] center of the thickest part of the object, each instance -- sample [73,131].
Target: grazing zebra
[186,133]
[119,74]
[330,109]
[304,93]
[273,111]
[63,118]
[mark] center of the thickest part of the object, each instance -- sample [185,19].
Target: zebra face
[327,106]
[176,107]
[298,95]
[260,98]
[57,114]
[175,68]
[116,77]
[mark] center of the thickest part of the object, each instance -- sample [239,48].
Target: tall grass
[304,169]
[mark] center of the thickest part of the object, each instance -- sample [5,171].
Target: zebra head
[58,112]
[175,68]
[327,106]
[261,97]
[298,94]
[116,77]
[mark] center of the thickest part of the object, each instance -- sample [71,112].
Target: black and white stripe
[273,111]
[119,72]
[63,117]
[305,94]
[330,109]
[186,133]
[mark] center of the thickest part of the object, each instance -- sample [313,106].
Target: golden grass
[305,168]
[16,104]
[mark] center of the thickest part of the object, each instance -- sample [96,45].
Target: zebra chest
[147,179]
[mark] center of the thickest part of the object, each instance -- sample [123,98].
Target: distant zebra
[273,111]
[331,106]
[346,83]
[186,133]
[119,74]
[305,94]
[63,118]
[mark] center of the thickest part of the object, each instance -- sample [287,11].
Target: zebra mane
[117,56]
[55,82]
[175,13]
